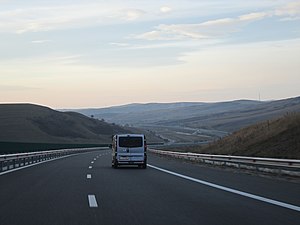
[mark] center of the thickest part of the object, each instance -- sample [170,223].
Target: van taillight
[145,146]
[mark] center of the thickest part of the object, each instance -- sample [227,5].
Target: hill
[195,122]
[34,123]
[38,124]
[162,113]
[279,138]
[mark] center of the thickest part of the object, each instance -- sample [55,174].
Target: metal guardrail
[270,165]
[13,161]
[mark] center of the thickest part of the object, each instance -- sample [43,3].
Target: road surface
[85,190]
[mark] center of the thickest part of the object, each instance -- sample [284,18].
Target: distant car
[129,149]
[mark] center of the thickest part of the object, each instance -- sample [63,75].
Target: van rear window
[130,142]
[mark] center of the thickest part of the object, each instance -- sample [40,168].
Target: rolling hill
[194,122]
[279,138]
[34,123]
[38,124]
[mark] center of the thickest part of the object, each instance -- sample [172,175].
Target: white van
[129,149]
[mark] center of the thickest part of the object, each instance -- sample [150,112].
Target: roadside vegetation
[278,138]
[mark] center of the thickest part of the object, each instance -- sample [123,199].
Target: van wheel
[144,165]
[115,164]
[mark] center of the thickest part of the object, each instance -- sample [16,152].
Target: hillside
[163,113]
[231,116]
[195,122]
[278,138]
[28,123]
[33,123]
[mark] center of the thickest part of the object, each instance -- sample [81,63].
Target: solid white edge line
[245,194]
[34,164]
[92,201]
[88,176]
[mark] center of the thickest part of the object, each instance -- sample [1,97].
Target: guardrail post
[277,166]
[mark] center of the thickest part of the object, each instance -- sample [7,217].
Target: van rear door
[131,148]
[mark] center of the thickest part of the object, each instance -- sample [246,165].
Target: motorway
[83,189]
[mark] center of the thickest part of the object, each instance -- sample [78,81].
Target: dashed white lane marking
[245,194]
[88,176]
[92,201]
[95,159]
[90,167]
[92,162]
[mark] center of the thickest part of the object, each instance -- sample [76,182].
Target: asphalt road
[74,190]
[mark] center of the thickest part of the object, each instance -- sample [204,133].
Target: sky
[92,53]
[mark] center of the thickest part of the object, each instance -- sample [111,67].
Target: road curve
[85,190]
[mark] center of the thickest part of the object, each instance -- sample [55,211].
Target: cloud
[134,14]
[290,18]
[163,33]
[217,28]
[165,9]
[208,29]
[254,16]
[35,19]
[119,44]
[291,9]
[40,41]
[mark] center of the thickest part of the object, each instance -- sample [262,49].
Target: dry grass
[278,138]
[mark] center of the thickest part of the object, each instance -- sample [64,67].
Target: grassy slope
[33,123]
[273,138]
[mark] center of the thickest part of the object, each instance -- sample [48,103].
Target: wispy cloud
[63,17]
[219,27]
[208,29]
[40,41]
[179,44]
[291,9]
[119,44]
[53,17]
